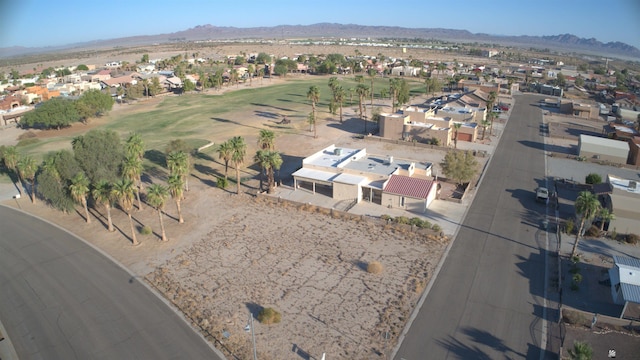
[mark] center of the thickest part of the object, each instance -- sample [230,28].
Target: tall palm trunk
[164,236]
[575,244]
[109,221]
[86,209]
[138,198]
[180,219]
[237,180]
[33,191]
[133,230]
[341,113]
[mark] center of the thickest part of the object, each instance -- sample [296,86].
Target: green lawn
[199,118]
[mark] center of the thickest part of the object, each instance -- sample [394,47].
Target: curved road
[487,302]
[61,299]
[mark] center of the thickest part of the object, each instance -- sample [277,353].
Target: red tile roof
[408,186]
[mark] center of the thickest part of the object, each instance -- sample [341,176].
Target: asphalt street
[488,299]
[61,299]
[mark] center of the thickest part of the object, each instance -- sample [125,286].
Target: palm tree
[27,168]
[587,206]
[484,124]
[132,170]
[580,351]
[456,127]
[314,95]
[79,189]
[123,190]
[250,71]
[157,197]
[605,216]
[339,97]
[261,158]
[176,187]
[274,162]
[333,83]
[178,163]
[134,146]
[266,140]
[224,153]
[239,150]
[102,194]
[363,91]
[10,157]
[372,74]
[394,87]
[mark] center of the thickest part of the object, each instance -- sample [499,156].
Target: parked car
[542,194]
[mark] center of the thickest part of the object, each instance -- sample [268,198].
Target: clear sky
[34,23]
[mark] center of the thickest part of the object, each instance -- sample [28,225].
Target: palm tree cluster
[588,207]
[234,149]
[268,158]
[338,96]
[70,177]
[314,96]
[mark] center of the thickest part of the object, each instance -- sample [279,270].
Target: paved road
[487,301]
[61,299]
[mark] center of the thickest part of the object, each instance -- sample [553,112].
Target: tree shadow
[267,114]
[359,264]
[463,351]
[352,125]
[274,107]
[157,157]
[483,337]
[254,309]
[227,121]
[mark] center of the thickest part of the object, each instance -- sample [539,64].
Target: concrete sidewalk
[7,352]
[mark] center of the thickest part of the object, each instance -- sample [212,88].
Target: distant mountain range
[564,42]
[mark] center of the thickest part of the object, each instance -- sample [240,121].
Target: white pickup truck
[542,195]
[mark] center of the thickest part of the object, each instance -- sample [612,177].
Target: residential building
[593,147]
[624,202]
[352,174]
[625,285]
[634,151]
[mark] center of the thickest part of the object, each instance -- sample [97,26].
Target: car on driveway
[542,194]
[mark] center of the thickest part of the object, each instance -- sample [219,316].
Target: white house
[625,281]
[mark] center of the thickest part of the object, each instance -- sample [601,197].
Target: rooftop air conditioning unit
[633,185]
[337,151]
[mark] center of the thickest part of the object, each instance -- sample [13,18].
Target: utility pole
[253,337]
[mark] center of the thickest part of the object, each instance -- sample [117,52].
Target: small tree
[593,179]
[581,351]
[460,166]
[587,207]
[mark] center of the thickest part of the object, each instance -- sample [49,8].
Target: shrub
[593,179]
[425,224]
[416,221]
[631,239]
[593,231]
[222,183]
[146,230]
[385,217]
[436,227]
[575,259]
[575,287]
[577,278]
[401,220]
[375,267]
[269,316]
[568,226]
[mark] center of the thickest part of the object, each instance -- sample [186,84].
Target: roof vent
[633,185]
[389,160]
[337,151]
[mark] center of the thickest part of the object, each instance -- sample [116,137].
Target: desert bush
[386,217]
[573,317]
[593,231]
[436,227]
[631,239]
[222,183]
[401,220]
[568,226]
[415,221]
[375,267]
[269,316]
[577,278]
[593,178]
[146,230]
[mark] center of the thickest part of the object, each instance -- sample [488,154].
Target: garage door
[465,137]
